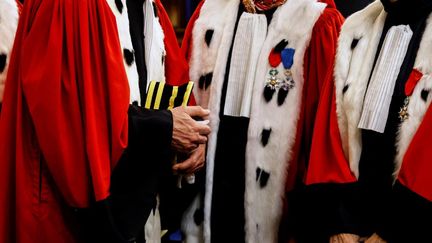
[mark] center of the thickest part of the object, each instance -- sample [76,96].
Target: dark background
[181,10]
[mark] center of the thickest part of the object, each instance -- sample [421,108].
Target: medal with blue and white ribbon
[287,56]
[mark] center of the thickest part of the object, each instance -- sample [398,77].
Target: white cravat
[248,41]
[381,87]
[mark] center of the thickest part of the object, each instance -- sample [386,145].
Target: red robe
[64,123]
[64,118]
[318,64]
[416,165]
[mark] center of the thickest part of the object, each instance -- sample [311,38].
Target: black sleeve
[410,219]
[144,164]
[135,181]
[322,210]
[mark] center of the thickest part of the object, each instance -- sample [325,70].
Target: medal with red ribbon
[410,85]
[275,60]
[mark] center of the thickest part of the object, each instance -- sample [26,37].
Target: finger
[194,162]
[196,111]
[193,146]
[203,129]
[199,162]
[198,158]
[194,168]
[186,147]
[204,122]
[198,167]
[199,139]
[191,170]
[185,165]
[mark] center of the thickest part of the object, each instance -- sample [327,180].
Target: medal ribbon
[287,56]
[410,85]
[413,79]
[275,58]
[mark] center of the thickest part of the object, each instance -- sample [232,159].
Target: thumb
[196,111]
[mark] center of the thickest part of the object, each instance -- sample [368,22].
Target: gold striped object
[162,96]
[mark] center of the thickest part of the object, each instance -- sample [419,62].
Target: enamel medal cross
[403,112]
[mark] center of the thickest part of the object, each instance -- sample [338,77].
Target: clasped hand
[189,137]
[352,238]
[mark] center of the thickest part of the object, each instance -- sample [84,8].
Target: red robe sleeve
[318,65]
[327,162]
[66,101]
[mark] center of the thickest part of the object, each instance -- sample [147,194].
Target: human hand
[375,239]
[194,163]
[188,133]
[345,238]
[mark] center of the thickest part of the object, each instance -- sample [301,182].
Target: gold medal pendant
[273,81]
[288,81]
[403,113]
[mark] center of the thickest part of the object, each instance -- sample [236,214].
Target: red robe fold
[327,162]
[64,119]
[416,168]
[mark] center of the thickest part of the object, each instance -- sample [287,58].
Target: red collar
[268,4]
